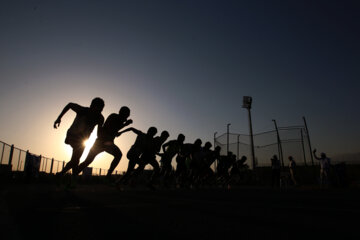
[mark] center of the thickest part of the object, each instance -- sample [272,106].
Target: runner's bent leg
[115,151]
[75,159]
[94,151]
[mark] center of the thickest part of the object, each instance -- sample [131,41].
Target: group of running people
[193,161]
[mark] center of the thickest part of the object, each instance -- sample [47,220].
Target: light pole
[247,100]
[303,146]
[227,144]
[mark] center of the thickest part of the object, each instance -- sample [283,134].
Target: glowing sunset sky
[182,66]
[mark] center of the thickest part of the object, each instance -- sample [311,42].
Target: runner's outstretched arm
[73,106]
[129,129]
[126,123]
[165,145]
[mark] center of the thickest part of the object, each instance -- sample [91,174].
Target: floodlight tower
[247,100]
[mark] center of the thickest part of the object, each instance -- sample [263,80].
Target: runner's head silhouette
[181,138]
[208,145]
[151,131]
[217,149]
[198,142]
[164,134]
[124,112]
[97,104]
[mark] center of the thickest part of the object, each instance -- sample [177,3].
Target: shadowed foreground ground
[97,211]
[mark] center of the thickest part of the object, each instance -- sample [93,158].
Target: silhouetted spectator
[275,168]
[292,166]
[340,173]
[324,168]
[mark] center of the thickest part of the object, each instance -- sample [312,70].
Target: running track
[97,211]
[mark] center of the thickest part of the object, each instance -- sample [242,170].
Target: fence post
[41,163]
[11,155]
[17,169]
[63,165]
[215,163]
[227,137]
[279,144]
[26,161]
[100,172]
[308,137]
[51,166]
[2,153]
[46,159]
[303,147]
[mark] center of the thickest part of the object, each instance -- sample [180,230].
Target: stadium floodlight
[247,100]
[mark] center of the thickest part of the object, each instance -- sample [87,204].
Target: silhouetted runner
[181,171]
[84,123]
[225,163]
[199,164]
[214,156]
[152,148]
[105,140]
[135,151]
[184,163]
[208,174]
[170,149]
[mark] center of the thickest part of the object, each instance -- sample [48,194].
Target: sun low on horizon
[87,144]
[103,159]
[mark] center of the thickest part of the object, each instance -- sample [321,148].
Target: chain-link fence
[283,142]
[16,159]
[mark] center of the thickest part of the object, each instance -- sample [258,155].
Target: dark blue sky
[183,66]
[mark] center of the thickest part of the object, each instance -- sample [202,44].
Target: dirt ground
[100,211]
